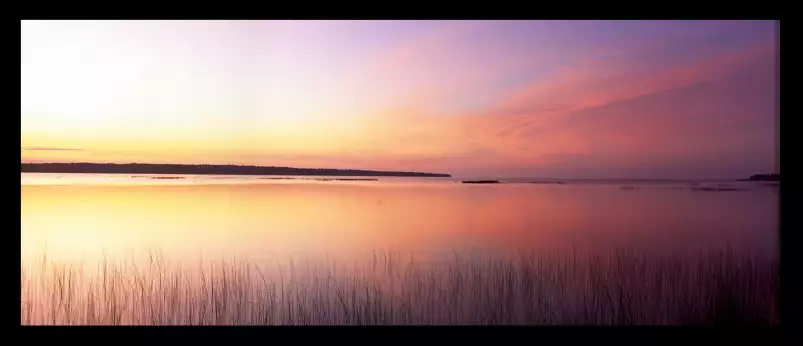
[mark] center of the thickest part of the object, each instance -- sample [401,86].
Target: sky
[582,99]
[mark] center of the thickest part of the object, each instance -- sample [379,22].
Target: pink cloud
[593,85]
[698,114]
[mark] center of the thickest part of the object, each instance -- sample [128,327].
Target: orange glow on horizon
[457,97]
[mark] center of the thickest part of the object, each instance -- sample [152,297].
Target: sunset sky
[669,99]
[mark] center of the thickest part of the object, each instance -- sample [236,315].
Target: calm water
[84,216]
[73,225]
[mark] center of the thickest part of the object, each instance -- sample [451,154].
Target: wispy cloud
[491,97]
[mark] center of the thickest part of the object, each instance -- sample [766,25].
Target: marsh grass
[542,288]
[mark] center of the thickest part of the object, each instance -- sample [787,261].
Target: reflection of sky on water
[269,219]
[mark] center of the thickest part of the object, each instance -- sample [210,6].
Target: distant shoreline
[151,168]
[764,177]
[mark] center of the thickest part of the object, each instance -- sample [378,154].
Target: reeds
[530,288]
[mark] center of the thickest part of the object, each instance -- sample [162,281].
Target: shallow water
[76,216]
[139,249]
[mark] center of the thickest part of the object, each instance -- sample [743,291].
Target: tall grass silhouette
[585,287]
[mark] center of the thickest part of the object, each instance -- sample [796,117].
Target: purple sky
[475,98]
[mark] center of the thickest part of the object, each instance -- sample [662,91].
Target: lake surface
[315,250]
[76,216]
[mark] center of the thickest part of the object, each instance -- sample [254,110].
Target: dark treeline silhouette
[763,177]
[151,168]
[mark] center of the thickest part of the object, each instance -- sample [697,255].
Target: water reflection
[201,250]
[274,217]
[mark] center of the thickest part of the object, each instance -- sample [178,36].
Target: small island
[763,177]
[151,168]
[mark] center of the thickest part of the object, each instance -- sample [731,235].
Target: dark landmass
[480,181]
[763,177]
[150,168]
[547,182]
[709,188]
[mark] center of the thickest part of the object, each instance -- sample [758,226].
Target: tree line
[151,168]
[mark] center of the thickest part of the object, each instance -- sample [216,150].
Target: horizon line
[227,164]
[402,171]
